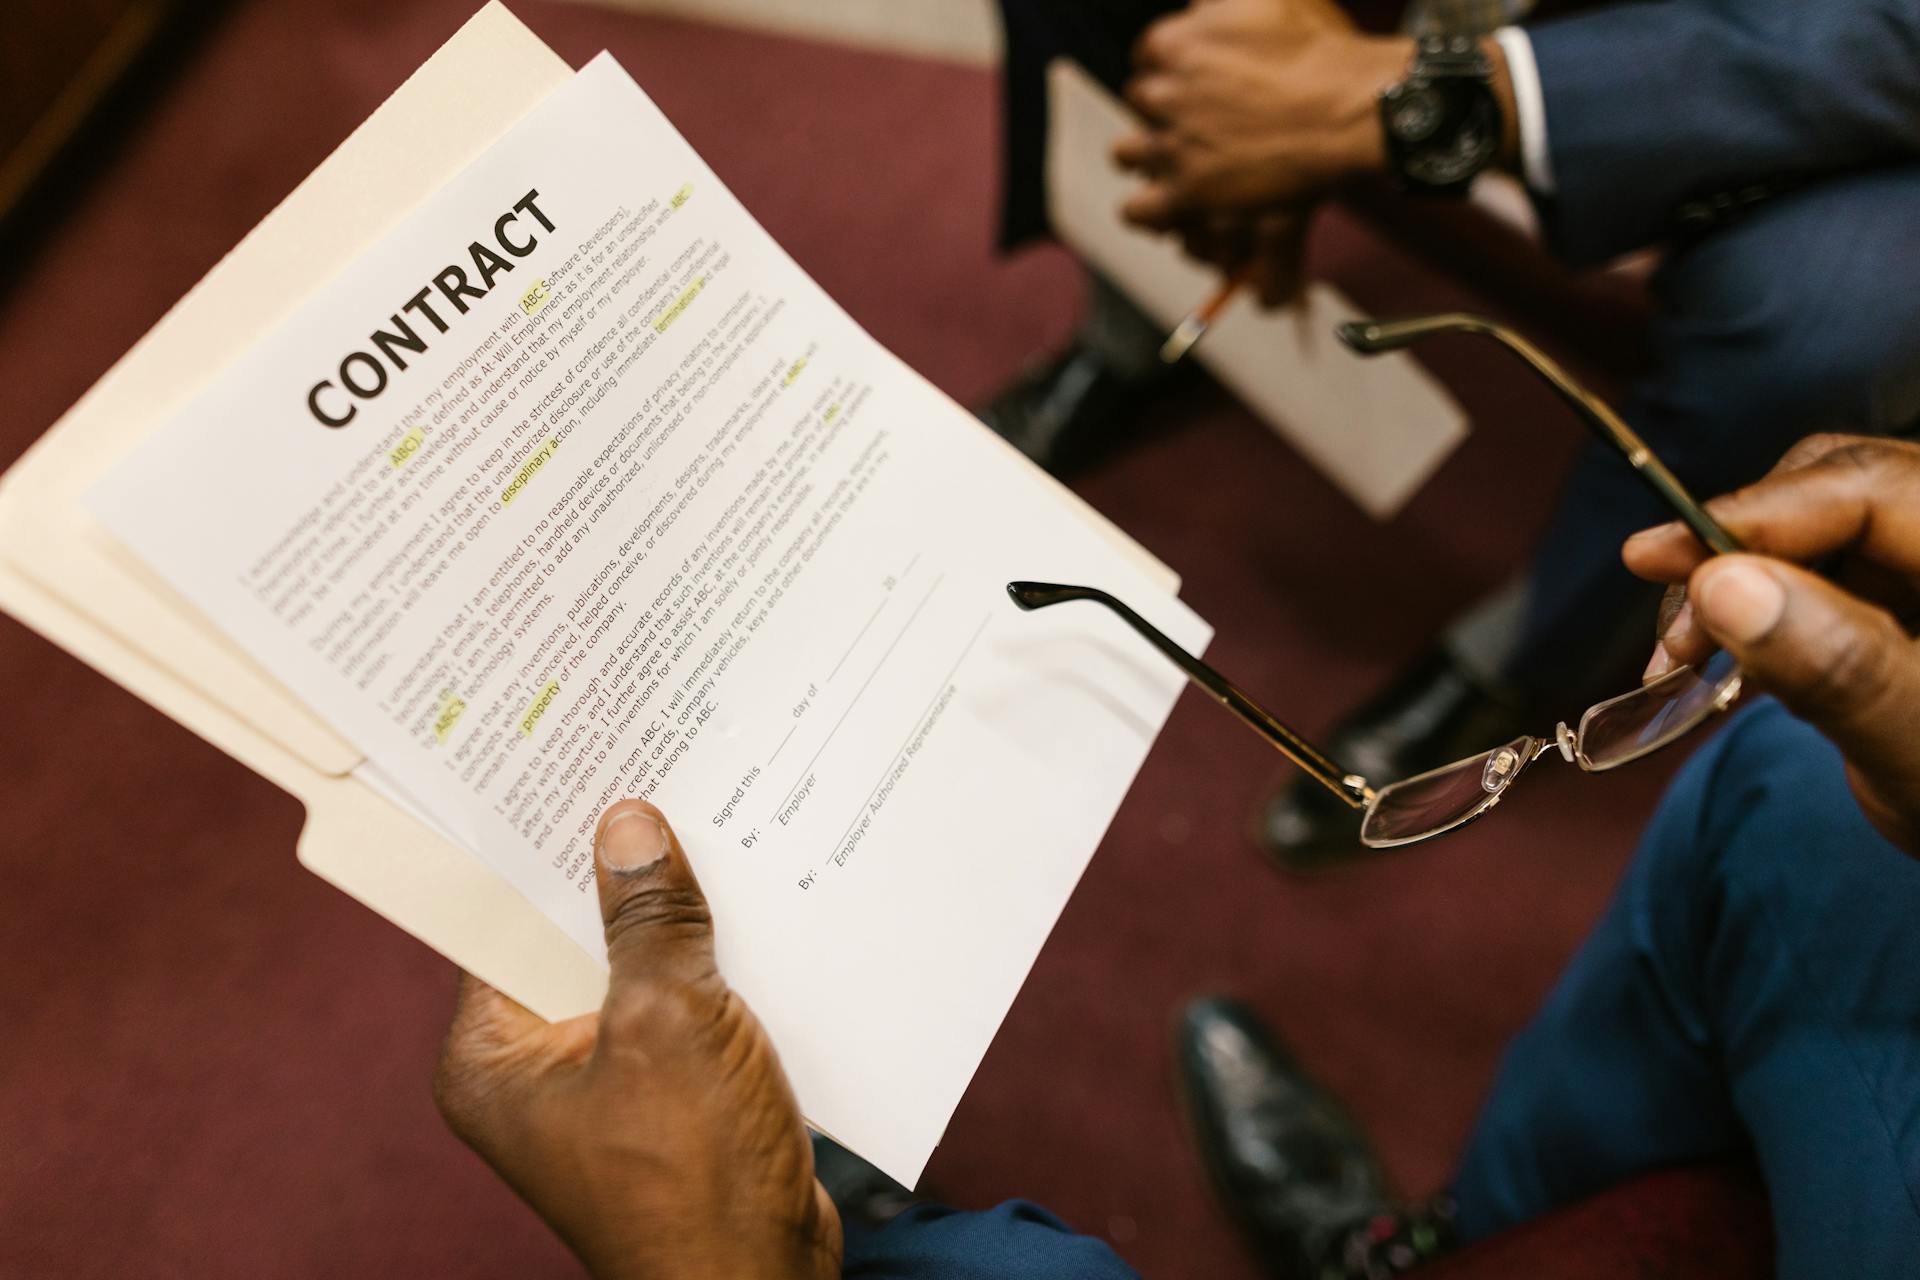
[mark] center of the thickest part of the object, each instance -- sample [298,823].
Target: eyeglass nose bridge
[1563,738]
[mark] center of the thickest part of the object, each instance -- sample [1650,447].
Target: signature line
[856,640]
[783,743]
[808,768]
[918,721]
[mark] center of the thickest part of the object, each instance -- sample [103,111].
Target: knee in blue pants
[1755,986]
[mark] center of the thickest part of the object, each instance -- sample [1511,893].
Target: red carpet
[216,1066]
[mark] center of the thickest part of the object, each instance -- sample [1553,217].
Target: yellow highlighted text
[409,445]
[680,304]
[528,470]
[538,707]
[452,707]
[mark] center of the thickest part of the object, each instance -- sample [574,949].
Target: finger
[489,1025]
[1233,237]
[1802,453]
[1143,152]
[1198,241]
[1206,246]
[1155,206]
[1153,94]
[1810,449]
[493,1046]
[658,929]
[1672,604]
[1271,279]
[1280,254]
[1841,493]
[1841,664]
[483,1016]
[1324,12]
[1677,640]
[1159,44]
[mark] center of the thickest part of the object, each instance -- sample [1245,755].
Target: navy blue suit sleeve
[1650,105]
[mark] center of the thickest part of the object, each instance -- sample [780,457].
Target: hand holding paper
[658,1138]
[573,487]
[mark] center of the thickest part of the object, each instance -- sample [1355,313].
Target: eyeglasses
[1610,734]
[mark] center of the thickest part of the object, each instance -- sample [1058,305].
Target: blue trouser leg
[1755,985]
[1800,317]
[1016,1241]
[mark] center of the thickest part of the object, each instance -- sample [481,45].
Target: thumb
[1841,664]
[658,928]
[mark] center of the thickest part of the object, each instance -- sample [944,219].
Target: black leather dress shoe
[1293,1170]
[1072,410]
[859,1191]
[1434,714]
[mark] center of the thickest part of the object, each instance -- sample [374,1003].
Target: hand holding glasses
[1608,735]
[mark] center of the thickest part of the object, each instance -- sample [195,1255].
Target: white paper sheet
[654,516]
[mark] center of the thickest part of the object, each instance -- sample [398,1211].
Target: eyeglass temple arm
[1371,337]
[1351,788]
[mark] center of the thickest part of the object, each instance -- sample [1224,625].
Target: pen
[1199,320]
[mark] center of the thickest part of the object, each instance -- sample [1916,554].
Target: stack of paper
[509,468]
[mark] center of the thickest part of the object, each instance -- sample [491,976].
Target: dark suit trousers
[1755,986]
[1801,316]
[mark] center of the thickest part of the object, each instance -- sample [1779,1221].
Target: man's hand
[1254,111]
[1266,250]
[1253,104]
[1842,657]
[659,1137]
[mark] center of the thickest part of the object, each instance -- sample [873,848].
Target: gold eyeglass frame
[1374,337]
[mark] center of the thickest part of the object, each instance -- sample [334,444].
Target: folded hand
[1253,104]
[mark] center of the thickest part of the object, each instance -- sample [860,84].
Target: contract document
[574,487]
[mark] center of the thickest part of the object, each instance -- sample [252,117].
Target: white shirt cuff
[1530,104]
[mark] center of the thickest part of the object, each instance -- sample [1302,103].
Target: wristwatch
[1442,122]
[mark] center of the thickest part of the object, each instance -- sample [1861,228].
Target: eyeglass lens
[1634,724]
[1611,733]
[1429,803]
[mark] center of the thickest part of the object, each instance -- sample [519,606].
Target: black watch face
[1463,156]
[1441,132]
[1416,114]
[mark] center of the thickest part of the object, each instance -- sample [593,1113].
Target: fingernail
[1658,665]
[634,839]
[1680,625]
[1655,532]
[1741,602]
